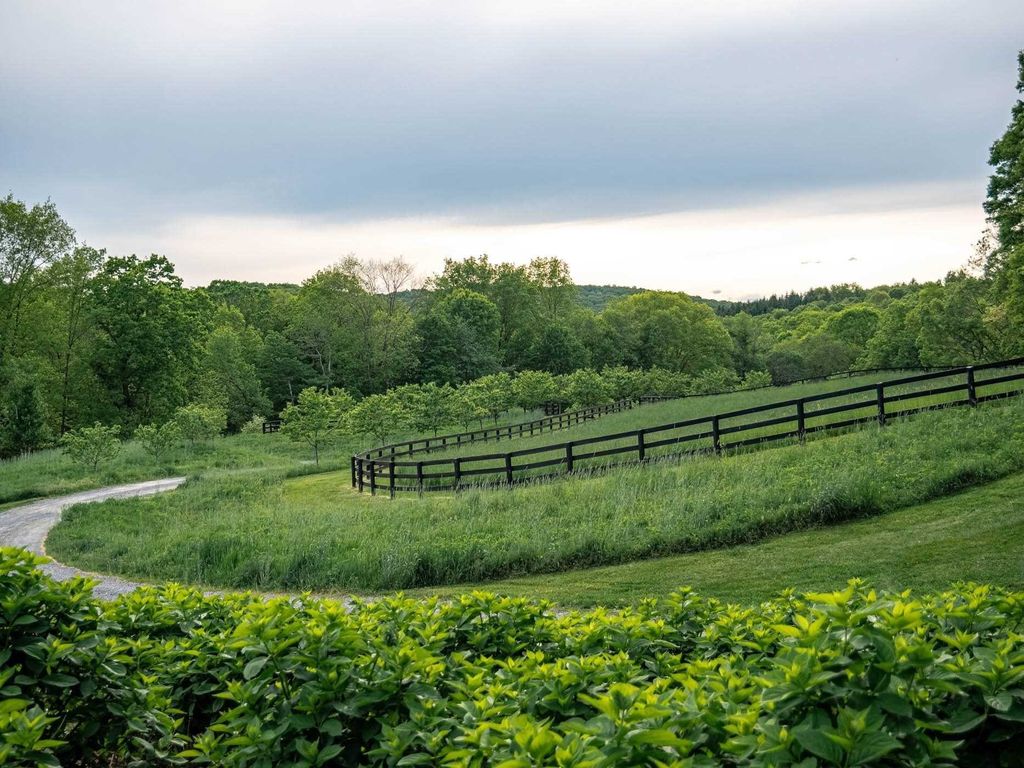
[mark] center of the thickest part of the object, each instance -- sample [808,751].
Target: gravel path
[26,527]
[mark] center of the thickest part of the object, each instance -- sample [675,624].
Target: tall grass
[264,532]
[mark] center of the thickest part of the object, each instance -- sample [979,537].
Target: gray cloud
[144,110]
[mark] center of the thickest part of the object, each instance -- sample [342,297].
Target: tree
[158,440]
[531,389]
[557,350]
[954,322]
[151,336]
[585,387]
[316,418]
[69,280]
[459,338]
[1005,208]
[281,370]
[198,423]
[92,446]
[670,330]
[30,239]
[229,376]
[428,406]
[492,393]
[22,418]
[379,416]
[854,325]
[745,335]
[468,407]
[1005,201]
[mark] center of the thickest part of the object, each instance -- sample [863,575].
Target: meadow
[612,440]
[51,472]
[260,530]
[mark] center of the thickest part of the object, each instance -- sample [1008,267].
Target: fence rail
[380,470]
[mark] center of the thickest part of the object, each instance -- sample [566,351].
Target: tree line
[87,337]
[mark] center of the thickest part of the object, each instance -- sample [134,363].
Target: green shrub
[167,676]
[158,440]
[198,423]
[92,446]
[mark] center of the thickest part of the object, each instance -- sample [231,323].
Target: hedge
[168,676]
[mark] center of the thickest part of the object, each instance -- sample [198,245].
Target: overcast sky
[721,148]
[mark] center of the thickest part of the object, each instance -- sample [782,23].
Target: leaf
[817,742]
[60,681]
[871,746]
[253,667]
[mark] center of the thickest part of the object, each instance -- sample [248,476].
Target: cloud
[323,122]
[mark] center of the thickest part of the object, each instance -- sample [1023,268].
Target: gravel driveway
[26,527]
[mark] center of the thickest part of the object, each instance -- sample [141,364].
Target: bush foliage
[168,676]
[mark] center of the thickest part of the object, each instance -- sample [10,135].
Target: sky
[729,149]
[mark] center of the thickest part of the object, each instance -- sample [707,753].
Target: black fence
[271,425]
[379,469]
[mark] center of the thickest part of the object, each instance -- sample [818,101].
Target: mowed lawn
[975,535]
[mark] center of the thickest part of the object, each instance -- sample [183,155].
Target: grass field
[678,411]
[253,530]
[973,535]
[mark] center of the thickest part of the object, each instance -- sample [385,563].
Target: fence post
[568,457]
[641,448]
[373,477]
[457,469]
[880,390]
[508,468]
[359,473]
[353,471]
[419,477]
[972,388]
[716,438]
[801,421]
[391,478]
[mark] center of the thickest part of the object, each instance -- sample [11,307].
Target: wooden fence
[379,469]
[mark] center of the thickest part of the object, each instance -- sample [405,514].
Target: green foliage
[158,440]
[151,332]
[531,389]
[198,423]
[379,416]
[316,418]
[756,380]
[584,388]
[1005,202]
[254,426]
[670,330]
[492,395]
[847,678]
[22,419]
[92,446]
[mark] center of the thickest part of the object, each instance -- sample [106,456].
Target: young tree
[427,406]
[468,406]
[379,416]
[158,439]
[197,423]
[92,446]
[586,387]
[316,418]
[531,389]
[492,393]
